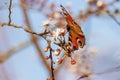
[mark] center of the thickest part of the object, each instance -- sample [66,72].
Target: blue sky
[102,33]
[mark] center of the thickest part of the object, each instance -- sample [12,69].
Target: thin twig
[4,56]
[25,29]
[34,40]
[116,69]
[113,2]
[52,77]
[52,69]
[83,76]
[9,16]
[114,19]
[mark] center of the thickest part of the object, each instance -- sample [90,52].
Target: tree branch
[25,29]
[9,16]
[10,52]
[114,19]
[34,40]
[52,69]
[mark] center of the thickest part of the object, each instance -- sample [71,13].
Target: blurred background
[22,58]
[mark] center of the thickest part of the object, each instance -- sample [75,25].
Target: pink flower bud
[73,62]
[46,49]
[57,52]
[60,60]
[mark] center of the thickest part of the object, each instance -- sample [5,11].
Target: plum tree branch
[4,56]
[34,39]
[25,29]
[114,19]
[9,16]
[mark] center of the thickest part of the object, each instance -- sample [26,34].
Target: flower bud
[46,49]
[57,52]
[46,23]
[116,11]
[101,4]
[60,60]
[73,61]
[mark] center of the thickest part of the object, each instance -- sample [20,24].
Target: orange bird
[76,36]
